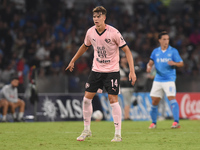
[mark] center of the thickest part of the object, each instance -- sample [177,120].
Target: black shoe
[21,120]
[16,120]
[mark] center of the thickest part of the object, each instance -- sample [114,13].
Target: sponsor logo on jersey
[103,61]
[101,52]
[163,60]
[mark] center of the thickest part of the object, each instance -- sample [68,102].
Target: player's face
[99,19]
[164,41]
[15,83]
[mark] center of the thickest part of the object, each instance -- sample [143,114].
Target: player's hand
[148,70]
[70,67]
[132,77]
[171,63]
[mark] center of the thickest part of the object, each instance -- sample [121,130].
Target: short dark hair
[161,34]
[100,9]
[14,77]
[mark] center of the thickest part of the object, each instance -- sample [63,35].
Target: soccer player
[166,59]
[106,41]
[9,95]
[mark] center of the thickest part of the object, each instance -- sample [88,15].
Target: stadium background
[47,33]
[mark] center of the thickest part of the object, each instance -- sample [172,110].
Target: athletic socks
[4,118]
[116,113]
[87,112]
[175,110]
[153,113]
[21,114]
[14,116]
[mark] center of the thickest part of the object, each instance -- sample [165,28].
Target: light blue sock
[153,113]
[175,110]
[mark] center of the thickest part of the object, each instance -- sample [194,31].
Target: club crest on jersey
[169,55]
[87,85]
[107,40]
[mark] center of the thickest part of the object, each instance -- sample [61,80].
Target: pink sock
[87,111]
[116,112]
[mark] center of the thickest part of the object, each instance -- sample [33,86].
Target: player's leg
[111,84]
[4,105]
[21,106]
[156,95]
[12,107]
[20,103]
[154,111]
[92,85]
[87,114]
[127,96]
[170,90]
[116,113]
[87,109]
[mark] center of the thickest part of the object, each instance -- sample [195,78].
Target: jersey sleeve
[176,56]
[87,39]
[119,40]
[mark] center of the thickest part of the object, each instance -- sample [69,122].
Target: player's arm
[78,54]
[176,59]
[149,65]
[132,76]
[177,64]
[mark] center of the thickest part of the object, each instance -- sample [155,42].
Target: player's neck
[101,28]
[163,48]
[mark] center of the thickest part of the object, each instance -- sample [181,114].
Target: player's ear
[104,17]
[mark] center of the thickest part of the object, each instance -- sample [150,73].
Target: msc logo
[163,60]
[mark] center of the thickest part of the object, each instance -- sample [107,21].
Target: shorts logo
[114,89]
[171,89]
[87,85]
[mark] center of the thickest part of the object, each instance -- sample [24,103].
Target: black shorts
[110,81]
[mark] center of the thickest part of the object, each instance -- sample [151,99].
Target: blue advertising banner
[68,107]
[138,112]
[59,107]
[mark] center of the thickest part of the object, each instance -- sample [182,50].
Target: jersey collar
[103,31]
[169,47]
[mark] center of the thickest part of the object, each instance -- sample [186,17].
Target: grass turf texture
[135,135]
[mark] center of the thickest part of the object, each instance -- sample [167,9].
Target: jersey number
[114,83]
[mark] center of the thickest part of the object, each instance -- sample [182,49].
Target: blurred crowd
[47,33]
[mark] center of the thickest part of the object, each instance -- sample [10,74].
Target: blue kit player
[166,59]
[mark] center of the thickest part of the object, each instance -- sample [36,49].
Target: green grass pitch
[135,136]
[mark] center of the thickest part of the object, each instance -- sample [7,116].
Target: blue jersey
[165,72]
